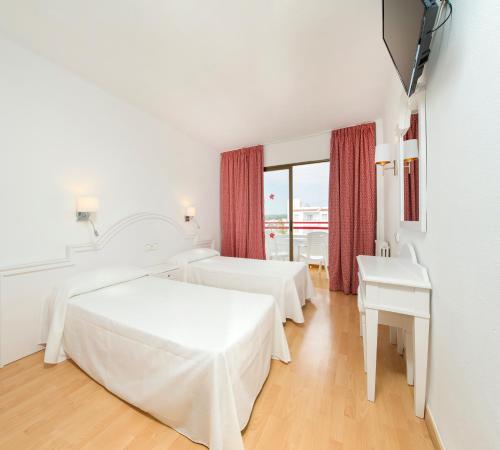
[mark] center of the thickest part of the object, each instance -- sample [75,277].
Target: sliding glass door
[277,214]
[296,205]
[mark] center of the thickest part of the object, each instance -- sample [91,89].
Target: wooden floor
[318,401]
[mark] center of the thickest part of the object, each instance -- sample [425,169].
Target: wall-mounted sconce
[410,152]
[85,206]
[383,157]
[190,215]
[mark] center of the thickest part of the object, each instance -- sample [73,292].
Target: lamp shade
[87,204]
[410,149]
[383,154]
[190,211]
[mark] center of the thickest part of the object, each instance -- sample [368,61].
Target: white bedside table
[169,271]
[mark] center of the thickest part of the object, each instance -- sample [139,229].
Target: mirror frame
[415,103]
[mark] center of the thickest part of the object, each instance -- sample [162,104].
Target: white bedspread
[194,357]
[288,282]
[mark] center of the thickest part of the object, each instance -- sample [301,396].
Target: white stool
[401,327]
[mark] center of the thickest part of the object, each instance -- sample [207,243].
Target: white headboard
[141,239]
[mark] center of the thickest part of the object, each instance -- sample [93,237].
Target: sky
[310,184]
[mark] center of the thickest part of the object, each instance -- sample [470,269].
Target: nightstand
[168,271]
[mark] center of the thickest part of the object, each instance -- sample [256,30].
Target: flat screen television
[407,33]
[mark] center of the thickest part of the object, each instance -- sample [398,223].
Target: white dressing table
[396,292]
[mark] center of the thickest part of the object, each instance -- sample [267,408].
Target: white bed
[288,282]
[195,357]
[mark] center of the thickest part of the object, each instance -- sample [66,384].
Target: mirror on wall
[412,162]
[410,171]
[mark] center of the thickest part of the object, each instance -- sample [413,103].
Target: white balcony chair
[270,247]
[316,250]
[281,247]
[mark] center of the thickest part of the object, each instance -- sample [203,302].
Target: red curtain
[411,199]
[352,203]
[242,203]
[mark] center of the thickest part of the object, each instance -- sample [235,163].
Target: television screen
[407,26]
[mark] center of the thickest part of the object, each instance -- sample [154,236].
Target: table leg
[410,357]
[400,340]
[393,335]
[421,348]
[371,351]
[363,324]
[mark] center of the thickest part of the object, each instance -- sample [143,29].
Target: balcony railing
[279,225]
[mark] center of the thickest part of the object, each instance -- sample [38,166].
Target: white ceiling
[229,72]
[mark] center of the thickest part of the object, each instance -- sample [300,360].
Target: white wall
[461,248]
[308,148]
[61,136]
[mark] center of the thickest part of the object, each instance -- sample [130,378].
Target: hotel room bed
[194,357]
[288,282]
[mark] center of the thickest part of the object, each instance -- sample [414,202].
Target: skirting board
[433,431]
